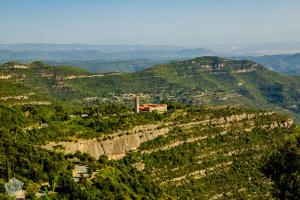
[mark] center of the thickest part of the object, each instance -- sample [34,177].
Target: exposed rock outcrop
[116,145]
[3,77]
[82,76]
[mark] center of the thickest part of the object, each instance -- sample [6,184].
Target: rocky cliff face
[116,145]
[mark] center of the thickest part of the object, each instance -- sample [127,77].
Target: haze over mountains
[288,64]
[130,58]
[96,52]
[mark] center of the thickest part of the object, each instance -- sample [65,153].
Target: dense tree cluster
[283,167]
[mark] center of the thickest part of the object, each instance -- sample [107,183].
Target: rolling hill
[203,80]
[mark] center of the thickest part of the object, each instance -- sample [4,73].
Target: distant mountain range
[81,52]
[85,47]
[98,55]
[260,49]
[99,58]
[289,64]
[131,58]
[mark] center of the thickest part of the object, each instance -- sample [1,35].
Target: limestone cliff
[116,145]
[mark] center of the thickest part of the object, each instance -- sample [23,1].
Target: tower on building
[137,104]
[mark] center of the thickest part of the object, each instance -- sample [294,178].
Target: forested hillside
[205,80]
[207,152]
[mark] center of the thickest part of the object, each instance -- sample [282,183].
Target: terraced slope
[187,153]
[202,153]
[214,157]
[244,80]
[38,83]
[205,80]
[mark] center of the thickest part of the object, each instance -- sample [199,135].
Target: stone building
[160,108]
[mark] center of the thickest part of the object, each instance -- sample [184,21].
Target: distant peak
[212,64]
[213,60]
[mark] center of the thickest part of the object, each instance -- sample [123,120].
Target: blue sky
[172,22]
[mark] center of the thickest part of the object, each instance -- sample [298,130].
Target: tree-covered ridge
[37,82]
[23,129]
[224,138]
[217,160]
[204,80]
[243,77]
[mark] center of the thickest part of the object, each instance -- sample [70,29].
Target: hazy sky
[173,22]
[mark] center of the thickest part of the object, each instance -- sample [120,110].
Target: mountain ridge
[95,54]
[211,80]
